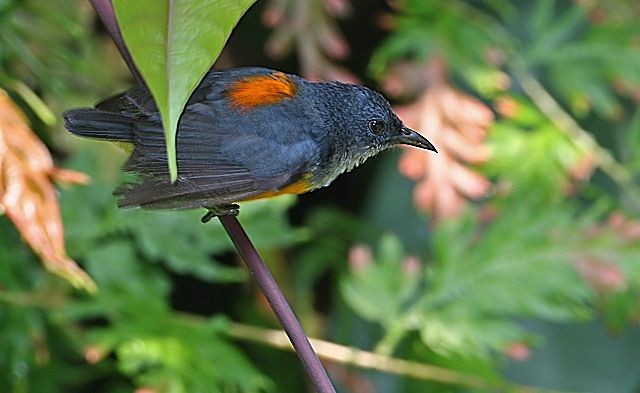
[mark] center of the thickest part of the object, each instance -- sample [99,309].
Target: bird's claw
[222,210]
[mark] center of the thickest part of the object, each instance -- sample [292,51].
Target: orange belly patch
[300,187]
[253,91]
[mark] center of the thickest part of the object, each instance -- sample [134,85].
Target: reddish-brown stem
[281,308]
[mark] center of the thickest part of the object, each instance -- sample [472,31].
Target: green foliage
[154,345]
[332,233]
[582,60]
[630,142]
[177,365]
[382,292]
[126,253]
[44,49]
[480,284]
[541,249]
[428,28]
[193,244]
[173,44]
[432,29]
[532,156]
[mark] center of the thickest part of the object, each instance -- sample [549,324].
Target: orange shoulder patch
[259,90]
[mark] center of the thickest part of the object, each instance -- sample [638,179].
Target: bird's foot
[222,210]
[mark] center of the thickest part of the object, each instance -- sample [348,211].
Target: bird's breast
[342,161]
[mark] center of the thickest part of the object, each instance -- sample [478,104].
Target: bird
[245,133]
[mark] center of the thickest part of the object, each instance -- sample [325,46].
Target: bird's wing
[135,102]
[211,177]
[224,155]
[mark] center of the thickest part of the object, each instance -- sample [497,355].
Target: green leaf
[384,290]
[532,156]
[486,277]
[177,354]
[173,43]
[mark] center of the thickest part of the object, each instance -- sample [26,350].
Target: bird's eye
[377,126]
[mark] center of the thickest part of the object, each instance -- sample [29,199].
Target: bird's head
[371,124]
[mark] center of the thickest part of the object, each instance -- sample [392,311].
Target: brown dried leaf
[27,195]
[457,125]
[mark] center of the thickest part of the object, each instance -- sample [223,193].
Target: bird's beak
[412,138]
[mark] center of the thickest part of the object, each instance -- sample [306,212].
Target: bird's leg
[221,210]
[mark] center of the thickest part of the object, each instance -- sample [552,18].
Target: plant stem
[245,248]
[390,340]
[278,303]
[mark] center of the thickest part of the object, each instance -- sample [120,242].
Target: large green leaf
[173,43]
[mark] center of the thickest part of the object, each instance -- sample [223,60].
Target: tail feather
[99,124]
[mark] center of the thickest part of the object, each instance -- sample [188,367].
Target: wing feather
[224,155]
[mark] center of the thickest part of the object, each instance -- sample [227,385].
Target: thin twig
[374,361]
[245,248]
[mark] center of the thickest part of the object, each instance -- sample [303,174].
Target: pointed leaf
[173,43]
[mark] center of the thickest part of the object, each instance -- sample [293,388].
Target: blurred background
[510,261]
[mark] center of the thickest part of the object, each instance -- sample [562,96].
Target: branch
[245,248]
[368,360]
